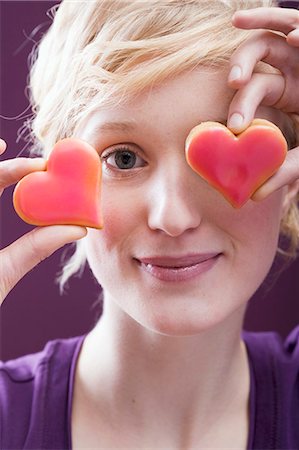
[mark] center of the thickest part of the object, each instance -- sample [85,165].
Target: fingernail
[235,73]
[235,121]
[36,162]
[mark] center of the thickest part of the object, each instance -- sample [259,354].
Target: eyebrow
[127,126]
[124,126]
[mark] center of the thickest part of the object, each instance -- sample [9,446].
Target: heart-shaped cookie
[67,192]
[236,165]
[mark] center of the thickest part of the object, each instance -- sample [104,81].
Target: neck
[127,367]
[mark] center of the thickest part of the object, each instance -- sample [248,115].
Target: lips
[178,268]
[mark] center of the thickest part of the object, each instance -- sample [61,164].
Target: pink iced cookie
[67,192]
[236,165]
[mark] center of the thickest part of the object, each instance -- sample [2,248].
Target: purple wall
[34,312]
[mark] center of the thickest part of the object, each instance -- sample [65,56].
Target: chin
[187,322]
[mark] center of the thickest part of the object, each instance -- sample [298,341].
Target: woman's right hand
[25,253]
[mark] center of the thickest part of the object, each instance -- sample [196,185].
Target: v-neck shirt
[36,393]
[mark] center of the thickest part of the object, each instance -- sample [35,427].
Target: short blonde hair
[102,53]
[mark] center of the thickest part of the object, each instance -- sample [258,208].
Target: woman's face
[174,254]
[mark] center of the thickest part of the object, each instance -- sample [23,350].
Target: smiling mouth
[178,269]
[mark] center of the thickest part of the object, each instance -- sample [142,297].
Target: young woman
[167,365]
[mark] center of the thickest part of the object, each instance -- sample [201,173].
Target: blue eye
[123,159]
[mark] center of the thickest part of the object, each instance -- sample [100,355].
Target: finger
[12,170]
[278,19]
[288,173]
[2,146]
[265,89]
[293,38]
[264,46]
[22,255]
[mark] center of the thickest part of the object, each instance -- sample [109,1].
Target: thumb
[287,175]
[29,250]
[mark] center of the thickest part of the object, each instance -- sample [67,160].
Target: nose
[174,204]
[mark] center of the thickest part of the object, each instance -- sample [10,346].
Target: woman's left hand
[275,42]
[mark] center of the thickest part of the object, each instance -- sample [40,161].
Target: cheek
[257,230]
[121,216]
[253,233]
[108,250]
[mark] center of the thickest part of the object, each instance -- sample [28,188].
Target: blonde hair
[101,53]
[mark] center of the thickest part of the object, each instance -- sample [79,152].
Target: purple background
[34,312]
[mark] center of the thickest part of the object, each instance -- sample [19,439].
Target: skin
[251,90]
[26,252]
[151,328]
[148,214]
[143,350]
[280,90]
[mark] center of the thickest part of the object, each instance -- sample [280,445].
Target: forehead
[182,102]
[195,96]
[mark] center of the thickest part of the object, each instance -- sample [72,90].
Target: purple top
[36,394]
